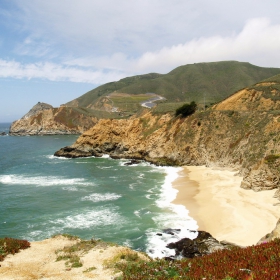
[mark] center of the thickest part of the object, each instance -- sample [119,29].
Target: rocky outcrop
[203,244]
[43,119]
[75,153]
[36,109]
[271,236]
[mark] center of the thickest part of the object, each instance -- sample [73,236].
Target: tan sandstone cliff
[43,119]
[242,134]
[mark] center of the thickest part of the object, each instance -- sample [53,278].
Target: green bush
[271,158]
[186,109]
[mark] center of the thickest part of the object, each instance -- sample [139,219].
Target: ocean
[102,198]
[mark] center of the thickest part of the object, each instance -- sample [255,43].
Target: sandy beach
[218,204]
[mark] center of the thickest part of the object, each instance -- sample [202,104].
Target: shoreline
[218,204]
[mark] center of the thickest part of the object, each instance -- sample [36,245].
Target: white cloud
[133,27]
[32,47]
[54,72]
[258,43]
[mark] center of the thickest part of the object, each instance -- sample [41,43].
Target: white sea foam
[123,162]
[157,241]
[96,197]
[132,185]
[35,233]
[153,190]
[168,193]
[70,189]
[42,180]
[127,243]
[54,157]
[145,163]
[175,217]
[105,156]
[126,163]
[142,175]
[104,167]
[91,218]
[139,213]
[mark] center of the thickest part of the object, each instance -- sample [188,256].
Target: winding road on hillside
[151,102]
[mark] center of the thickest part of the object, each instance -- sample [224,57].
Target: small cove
[42,195]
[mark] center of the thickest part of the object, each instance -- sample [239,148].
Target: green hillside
[274,79]
[211,82]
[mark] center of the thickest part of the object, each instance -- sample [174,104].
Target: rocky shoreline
[165,140]
[203,244]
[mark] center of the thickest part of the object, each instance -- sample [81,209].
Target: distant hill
[228,85]
[201,82]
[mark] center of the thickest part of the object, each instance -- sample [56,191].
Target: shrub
[186,109]
[11,246]
[271,158]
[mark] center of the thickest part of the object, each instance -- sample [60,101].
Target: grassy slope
[215,80]
[275,79]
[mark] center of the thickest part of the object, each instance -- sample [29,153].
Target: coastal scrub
[11,246]
[260,262]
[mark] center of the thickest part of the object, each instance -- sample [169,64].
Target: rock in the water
[70,152]
[203,244]
[3,133]
[171,231]
[133,161]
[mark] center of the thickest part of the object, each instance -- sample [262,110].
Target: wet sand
[218,204]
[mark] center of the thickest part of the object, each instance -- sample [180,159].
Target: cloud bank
[258,42]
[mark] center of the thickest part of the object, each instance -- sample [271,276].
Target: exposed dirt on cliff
[47,121]
[256,98]
[40,261]
[241,132]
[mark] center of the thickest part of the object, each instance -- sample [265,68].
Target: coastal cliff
[43,119]
[241,132]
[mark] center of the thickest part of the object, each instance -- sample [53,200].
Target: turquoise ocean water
[41,195]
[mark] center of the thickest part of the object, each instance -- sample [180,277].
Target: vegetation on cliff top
[186,109]
[260,262]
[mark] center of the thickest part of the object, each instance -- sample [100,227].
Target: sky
[55,51]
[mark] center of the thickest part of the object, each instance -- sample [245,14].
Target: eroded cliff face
[212,138]
[43,119]
[245,140]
